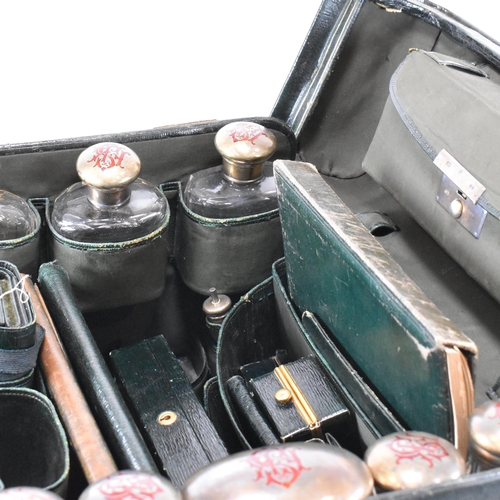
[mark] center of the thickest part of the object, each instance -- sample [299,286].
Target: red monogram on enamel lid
[108,155]
[277,465]
[27,493]
[130,485]
[111,204]
[411,459]
[247,132]
[244,184]
[108,165]
[287,471]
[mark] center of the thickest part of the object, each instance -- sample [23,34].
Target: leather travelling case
[327,114]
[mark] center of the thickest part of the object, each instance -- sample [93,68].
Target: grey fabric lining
[342,126]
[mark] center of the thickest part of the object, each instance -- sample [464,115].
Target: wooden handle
[82,429]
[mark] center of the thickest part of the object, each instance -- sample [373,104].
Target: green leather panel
[336,270]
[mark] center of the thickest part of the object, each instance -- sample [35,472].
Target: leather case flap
[396,338]
[174,421]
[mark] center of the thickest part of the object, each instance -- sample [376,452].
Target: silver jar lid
[107,168]
[287,471]
[244,147]
[217,305]
[27,493]
[411,459]
[131,485]
[484,430]
[483,458]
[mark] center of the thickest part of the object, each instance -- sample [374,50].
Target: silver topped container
[131,485]
[484,433]
[411,459]
[288,471]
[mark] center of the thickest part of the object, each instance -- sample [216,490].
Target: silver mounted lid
[128,485]
[107,168]
[287,471]
[27,493]
[484,431]
[217,305]
[411,459]
[244,147]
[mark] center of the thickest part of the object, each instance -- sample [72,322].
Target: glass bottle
[244,184]
[111,204]
[17,218]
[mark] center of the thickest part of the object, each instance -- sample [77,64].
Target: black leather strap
[177,428]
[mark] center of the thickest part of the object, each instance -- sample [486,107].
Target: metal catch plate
[460,207]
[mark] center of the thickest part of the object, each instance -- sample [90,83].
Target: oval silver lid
[131,484]
[217,305]
[287,471]
[244,147]
[484,428]
[28,493]
[411,459]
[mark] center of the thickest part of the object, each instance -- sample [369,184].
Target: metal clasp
[300,402]
[459,193]
[460,207]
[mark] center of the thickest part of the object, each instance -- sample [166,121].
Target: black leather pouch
[24,252]
[34,449]
[20,337]
[300,401]
[261,323]
[179,433]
